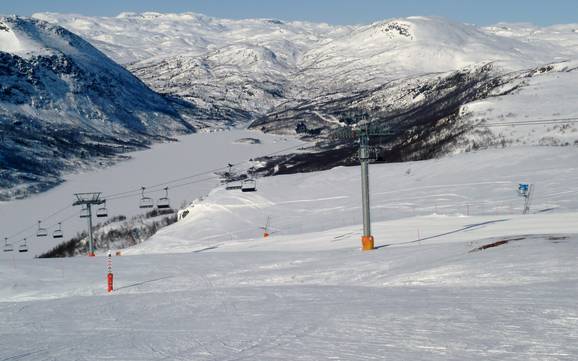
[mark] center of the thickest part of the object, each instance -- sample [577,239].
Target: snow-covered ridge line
[254,65]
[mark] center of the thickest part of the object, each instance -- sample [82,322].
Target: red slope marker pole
[110,276]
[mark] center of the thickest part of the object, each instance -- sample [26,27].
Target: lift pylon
[88,200]
[363,134]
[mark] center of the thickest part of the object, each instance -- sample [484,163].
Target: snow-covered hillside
[459,273]
[430,198]
[374,54]
[64,103]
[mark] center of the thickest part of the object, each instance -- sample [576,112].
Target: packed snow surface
[412,302]
[492,285]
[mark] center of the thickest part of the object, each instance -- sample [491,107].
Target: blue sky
[481,12]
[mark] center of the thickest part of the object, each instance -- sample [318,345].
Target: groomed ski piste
[458,274]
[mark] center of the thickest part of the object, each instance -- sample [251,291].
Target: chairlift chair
[58,232]
[7,246]
[249,185]
[102,212]
[23,248]
[41,232]
[164,202]
[145,202]
[233,185]
[84,212]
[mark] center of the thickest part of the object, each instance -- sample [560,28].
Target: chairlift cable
[130,193]
[168,182]
[44,219]
[62,221]
[527,123]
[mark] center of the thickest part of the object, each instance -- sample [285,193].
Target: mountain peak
[14,37]
[423,28]
[396,29]
[27,37]
[151,15]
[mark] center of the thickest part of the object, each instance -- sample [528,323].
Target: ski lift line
[173,187]
[62,221]
[168,182]
[43,220]
[134,192]
[562,120]
[189,183]
[526,123]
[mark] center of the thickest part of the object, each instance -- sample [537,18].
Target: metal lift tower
[88,200]
[363,134]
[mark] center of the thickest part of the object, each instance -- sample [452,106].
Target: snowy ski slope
[413,302]
[437,192]
[200,291]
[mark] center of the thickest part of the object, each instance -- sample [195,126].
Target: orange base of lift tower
[367,243]
[91,254]
[265,235]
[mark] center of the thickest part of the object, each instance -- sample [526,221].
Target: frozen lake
[192,154]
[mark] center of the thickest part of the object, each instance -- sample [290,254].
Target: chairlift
[58,232]
[249,185]
[84,213]
[41,232]
[164,202]
[145,202]
[229,183]
[102,212]
[233,185]
[7,246]
[23,248]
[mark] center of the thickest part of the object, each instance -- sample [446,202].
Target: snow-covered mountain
[237,65]
[256,69]
[438,83]
[63,102]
